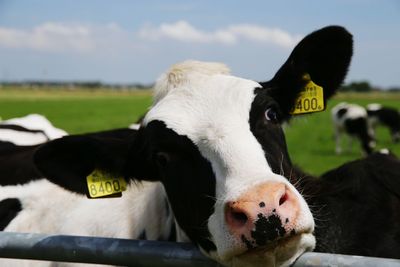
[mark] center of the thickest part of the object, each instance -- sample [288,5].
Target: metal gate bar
[140,253]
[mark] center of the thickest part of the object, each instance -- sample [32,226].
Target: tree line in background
[359,86]
[365,86]
[90,85]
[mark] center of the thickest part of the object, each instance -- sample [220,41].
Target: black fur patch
[142,235]
[341,112]
[9,209]
[389,117]
[186,175]
[360,202]
[172,233]
[269,133]
[359,127]
[16,164]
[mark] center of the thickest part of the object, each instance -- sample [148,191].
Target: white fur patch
[384,151]
[354,111]
[134,126]
[31,122]
[177,75]
[142,207]
[374,106]
[22,138]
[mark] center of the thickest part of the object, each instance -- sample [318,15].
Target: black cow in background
[386,116]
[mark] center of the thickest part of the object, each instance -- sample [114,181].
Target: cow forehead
[205,106]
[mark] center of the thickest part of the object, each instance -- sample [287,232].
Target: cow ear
[323,55]
[69,160]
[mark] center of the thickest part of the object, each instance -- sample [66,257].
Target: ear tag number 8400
[102,184]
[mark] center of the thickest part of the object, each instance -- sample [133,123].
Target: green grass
[77,111]
[309,137]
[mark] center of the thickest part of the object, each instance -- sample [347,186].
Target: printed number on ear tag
[103,184]
[310,99]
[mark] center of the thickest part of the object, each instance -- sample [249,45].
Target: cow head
[215,142]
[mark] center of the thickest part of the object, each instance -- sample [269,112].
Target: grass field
[77,111]
[310,138]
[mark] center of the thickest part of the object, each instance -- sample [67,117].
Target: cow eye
[271,114]
[162,159]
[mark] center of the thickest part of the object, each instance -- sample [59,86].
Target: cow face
[215,142]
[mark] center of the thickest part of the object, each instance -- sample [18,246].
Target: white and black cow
[389,117]
[352,120]
[29,130]
[213,143]
[16,162]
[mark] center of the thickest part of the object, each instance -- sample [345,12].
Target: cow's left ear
[323,55]
[69,160]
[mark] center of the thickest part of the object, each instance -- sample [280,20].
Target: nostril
[236,217]
[239,217]
[283,199]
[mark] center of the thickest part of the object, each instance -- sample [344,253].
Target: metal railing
[140,253]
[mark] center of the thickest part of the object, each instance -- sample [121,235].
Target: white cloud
[83,38]
[185,32]
[53,36]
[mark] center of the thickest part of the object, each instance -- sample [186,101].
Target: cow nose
[263,214]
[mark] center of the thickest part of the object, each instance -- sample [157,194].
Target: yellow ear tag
[310,99]
[101,184]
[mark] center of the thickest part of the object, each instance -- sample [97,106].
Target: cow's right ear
[69,160]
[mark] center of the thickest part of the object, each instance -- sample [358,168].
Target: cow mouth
[282,242]
[285,249]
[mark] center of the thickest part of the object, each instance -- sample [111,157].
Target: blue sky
[134,41]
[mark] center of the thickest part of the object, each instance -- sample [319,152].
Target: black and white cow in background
[212,145]
[389,117]
[352,120]
[29,130]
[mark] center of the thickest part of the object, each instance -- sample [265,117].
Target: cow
[352,120]
[31,129]
[211,151]
[387,116]
[352,203]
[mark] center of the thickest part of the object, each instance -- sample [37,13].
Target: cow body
[32,129]
[356,207]
[386,116]
[25,203]
[215,143]
[142,213]
[352,119]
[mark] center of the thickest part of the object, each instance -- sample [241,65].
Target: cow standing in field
[389,117]
[212,153]
[352,120]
